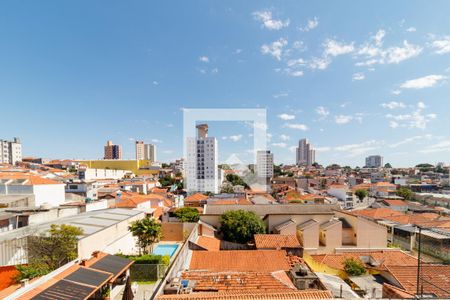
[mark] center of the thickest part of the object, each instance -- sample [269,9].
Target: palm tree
[147,231]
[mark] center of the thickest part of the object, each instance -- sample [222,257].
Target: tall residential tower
[112,151]
[10,151]
[306,155]
[145,151]
[202,172]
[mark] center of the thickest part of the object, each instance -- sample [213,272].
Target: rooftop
[240,261]
[253,295]
[268,209]
[276,241]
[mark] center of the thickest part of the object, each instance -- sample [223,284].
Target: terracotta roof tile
[196,197]
[377,213]
[275,241]
[240,260]
[438,275]
[209,243]
[273,295]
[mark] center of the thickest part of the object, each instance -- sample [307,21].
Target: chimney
[24,282]
[96,254]
[83,262]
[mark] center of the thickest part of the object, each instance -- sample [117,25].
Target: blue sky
[355,78]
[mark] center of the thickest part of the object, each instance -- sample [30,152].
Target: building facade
[112,151]
[145,151]
[374,161]
[264,166]
[202,172]
[10,151]
[306,155]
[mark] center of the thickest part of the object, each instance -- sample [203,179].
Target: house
[44,191]
[398,205]
[343,194]
[196,200]
[84,280]
[276,242]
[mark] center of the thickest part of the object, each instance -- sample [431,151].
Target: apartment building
[306,155]
[145,151]
[202,172]
[374,161]
[264,167]
[10,151]
[112,151]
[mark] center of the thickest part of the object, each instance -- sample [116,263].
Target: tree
[388,166]
[239,226]
[405,193]
[50,250]
[353,267]
[236,180]
[361,194]
[187,214]
[147,231]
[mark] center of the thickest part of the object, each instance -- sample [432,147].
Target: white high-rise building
[374,161]
[306,155]
[10,151]
[145,151]
[202,171]
[264,167]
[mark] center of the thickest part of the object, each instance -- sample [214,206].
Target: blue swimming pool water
[165,249]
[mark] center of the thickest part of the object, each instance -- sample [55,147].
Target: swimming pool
[165,249]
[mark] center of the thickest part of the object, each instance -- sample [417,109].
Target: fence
[147,272]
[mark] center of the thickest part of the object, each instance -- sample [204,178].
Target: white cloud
[297,126]
[310,25]
[411,139]
[155,82]
[235,138]
[393,105]
[342,119]
[358,149]
[323,149]
[335,48]
[275,49]
[157,141]
[320,63]
[204,59]
[286,117]
[215,70]
[168,151]
[267,20]
[294,73]
[285,137]
[378,37]
[441,46]
[415,119]
[411,29]
[422,82]
[293,148]
[395,55]
[345,104]
[322,111]
[438,147]
[238,51]
[280,95]
[281,145]
[358,76]
[396,92]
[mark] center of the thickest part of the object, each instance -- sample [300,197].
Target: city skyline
[378,89]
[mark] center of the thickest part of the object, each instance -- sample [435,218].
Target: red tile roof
[240,260]
[196,197]
[275,241]
[239,281]
[209,243]
[7,276]
[395,202]
[377,213]
[31,179]
[253,295]
[438,275]
[385,258]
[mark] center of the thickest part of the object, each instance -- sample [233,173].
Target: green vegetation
[405,193]
[388,166]
[147,231]
[361,194]
[353,267]
[50,250]
[236,180]
[187,214]
[148,259]
[239,226]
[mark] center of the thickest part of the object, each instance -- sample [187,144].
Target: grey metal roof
[272,209]
[284,224]
[334,284]
[91,222]
[306,224]
[329,223]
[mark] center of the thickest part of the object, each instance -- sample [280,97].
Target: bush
[187,214]
[354,267]
[239,226]
[31,271]
[150,259]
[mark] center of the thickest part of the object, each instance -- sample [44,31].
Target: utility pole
[418,261]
